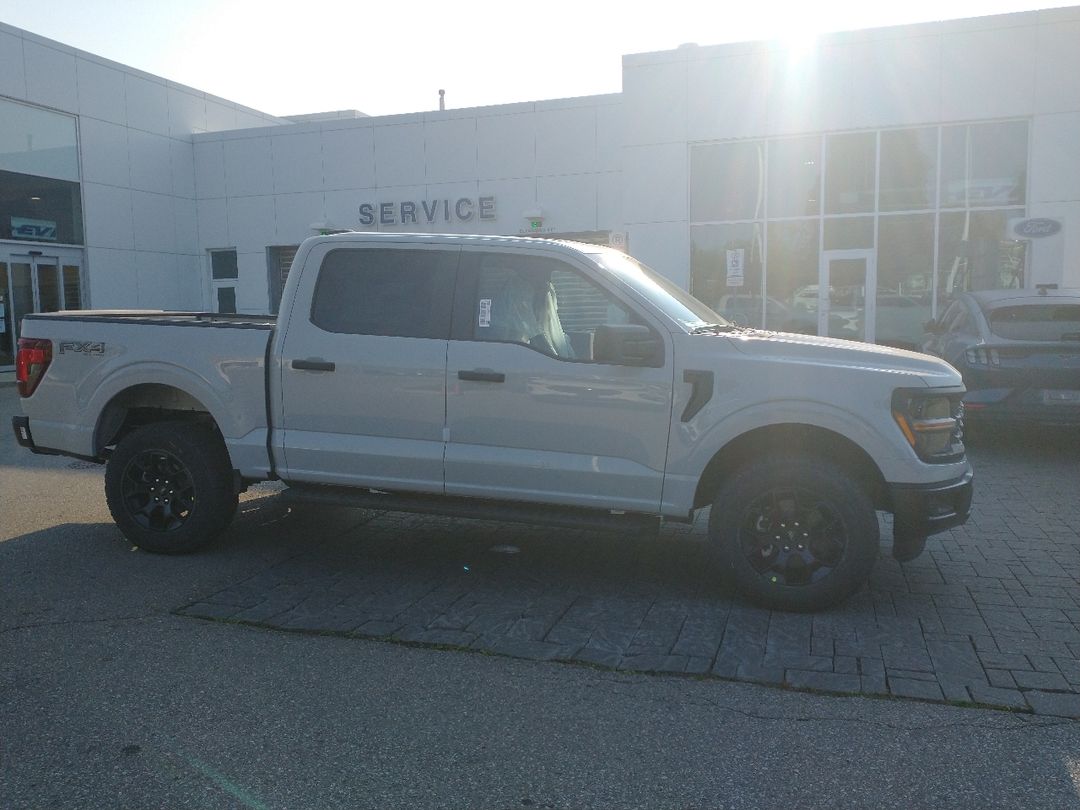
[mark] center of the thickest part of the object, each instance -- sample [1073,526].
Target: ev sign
[41,230]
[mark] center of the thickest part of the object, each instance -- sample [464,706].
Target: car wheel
[794,534]
[169,487]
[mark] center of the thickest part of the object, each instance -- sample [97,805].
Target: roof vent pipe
[442,101]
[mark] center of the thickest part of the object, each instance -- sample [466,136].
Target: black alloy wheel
[792,537]
[794,533]
[158,491]
[170,487]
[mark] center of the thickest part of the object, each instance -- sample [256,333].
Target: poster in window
[735,267]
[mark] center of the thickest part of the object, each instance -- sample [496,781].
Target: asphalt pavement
[111,697]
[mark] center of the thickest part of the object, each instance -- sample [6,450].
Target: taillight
[35,354]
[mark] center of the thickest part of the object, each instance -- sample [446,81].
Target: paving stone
[1026,679]
[925,690]
[991,608]
[600,657]
[760,674]
[654,663]
[536,650]
[873,685]
[823,681]
[1055,703]
[910,674]
[697,665]
[906,658]
[1042,663]
[846,665]
[1001,678]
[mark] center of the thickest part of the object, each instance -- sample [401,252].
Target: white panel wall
[664,246]
[450,149]
[12,71]
[506,145]
[50,76]
[138,168]
[274,184]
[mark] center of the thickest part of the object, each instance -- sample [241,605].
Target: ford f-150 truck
[509,378]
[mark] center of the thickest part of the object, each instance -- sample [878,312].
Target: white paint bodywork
[397,417]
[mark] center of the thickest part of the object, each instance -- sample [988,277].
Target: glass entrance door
[847,279]
[31,283]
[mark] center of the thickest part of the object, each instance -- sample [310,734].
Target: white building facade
[848,188]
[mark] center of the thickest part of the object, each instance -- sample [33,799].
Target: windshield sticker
[485,313]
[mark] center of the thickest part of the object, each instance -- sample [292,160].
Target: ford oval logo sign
[1036,228]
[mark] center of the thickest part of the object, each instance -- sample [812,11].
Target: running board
[568,517]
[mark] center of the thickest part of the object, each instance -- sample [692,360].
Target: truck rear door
[363,371]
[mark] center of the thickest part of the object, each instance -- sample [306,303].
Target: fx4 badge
[89,347]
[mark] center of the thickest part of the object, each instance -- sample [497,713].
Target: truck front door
[532,414]
[363,372]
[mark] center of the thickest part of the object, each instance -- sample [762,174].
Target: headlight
[932,422]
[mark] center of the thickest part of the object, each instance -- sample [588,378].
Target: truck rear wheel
[794,534]
[169,487]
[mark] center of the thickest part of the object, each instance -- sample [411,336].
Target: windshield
[673,300]
[1037,322]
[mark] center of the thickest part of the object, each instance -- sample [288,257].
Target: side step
[567,517]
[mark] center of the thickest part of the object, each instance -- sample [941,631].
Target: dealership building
[849,188]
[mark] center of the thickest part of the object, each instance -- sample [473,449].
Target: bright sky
[383,57]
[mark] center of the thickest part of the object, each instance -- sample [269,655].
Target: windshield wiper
[716,329]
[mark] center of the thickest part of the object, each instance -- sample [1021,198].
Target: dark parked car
[1019,353]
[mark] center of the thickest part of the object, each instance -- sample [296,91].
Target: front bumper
[920,510]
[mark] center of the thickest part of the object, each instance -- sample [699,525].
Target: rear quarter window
[1052,322]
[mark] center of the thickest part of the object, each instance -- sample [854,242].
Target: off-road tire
[169,487]
[793,533]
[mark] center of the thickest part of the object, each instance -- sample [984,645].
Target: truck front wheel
[169,487]
[793,533]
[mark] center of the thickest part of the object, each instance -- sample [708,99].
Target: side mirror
[628,345]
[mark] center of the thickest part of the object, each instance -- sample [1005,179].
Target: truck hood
[834,352]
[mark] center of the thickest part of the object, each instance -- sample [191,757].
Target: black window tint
[397,293]
[226,299]
[223,264]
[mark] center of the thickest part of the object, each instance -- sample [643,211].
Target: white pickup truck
[508,378]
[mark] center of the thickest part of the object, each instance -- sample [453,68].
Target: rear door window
[1047,322]
[396,292]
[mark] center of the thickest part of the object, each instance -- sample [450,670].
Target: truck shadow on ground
[988,614]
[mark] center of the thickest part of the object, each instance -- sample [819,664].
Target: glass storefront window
[795,177]
[850,163]
[908,169]
[845,233]
[38,142]
[712,248]
[984,164]
[877,195]
[726,181]
[792,281]
[40,209]
[976,252]
[905,278]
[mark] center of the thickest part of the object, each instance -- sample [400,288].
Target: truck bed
[107,362]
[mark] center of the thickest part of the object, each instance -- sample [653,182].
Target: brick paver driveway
[989,614]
